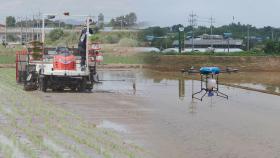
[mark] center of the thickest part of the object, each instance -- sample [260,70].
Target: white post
[58,21]
[6,30]
[87,43]
[43,29]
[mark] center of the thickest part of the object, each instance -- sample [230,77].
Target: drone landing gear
[211,92]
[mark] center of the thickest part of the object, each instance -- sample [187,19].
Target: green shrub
[272,47]
[112,39]
[94,38]
[56,34]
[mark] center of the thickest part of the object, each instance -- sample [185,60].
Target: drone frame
[214,90]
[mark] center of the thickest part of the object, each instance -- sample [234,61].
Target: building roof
[202,42]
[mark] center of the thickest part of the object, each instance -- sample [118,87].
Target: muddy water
[267,81]
[156,111]
[264,81]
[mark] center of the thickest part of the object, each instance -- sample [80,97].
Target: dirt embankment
[176,63]
[7,65]
[172,63]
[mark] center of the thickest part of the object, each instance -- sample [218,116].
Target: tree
[131,19]
[175,28]
[101,21]
[272,47]
[12,38]
[10,21]
[124,21]
[56,34]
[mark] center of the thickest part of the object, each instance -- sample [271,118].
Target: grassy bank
[117,54]
[7,59]
[30,127]
[251,53]
[243,63]
[130,59]
[8,55]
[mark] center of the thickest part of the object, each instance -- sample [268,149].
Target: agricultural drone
[209,81]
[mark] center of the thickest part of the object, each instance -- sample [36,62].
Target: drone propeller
[192,70]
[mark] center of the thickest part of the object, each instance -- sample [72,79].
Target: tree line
[262,38]
[124,21]
[120,22]
[12,22]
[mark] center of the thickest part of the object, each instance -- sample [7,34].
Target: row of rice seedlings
[32,137]
[114,146]
[10,129]
[14,138]
[30,121]
[88,142]
[6,151]
[107,143]
[34,112]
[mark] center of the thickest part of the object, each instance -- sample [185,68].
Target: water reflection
[134,87]
[181,89]
[269,81]
[192,107]
[174,84]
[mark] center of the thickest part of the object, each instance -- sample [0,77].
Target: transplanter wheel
[43,84]
[89,87]
[73,89]
[82,86]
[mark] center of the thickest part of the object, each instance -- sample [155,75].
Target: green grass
[131,59]
[9,51]
[220,54]
[7,59]
[147,58]
[8,55]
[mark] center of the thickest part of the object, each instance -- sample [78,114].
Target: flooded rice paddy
[156,111]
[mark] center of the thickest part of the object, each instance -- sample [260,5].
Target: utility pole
[121,21]
[248,38]
[59,23]
[121,24]
[32,25]
[38,26]
[228,44]
[192,21]
[26,30]
[211,28]
[43,28]
[20,21]
[37,29]
[272,34]
[6,30]
[181,30]
[183,41]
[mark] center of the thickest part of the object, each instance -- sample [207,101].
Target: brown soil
[176,63]
[121,66]
[7,65]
